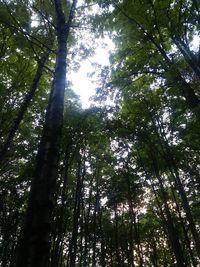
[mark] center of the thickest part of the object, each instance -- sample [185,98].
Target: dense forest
[116,184]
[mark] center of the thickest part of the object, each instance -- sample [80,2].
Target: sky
[81,83]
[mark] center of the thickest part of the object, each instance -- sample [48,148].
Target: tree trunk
[168,156]
[187,240]
[154,257]
[186,207]
[173,236]
[34,249]
[103,251]
[134,227]
[168,222]
[60,224]
[116,237]
[81,234]
[95,229]
[73,242]
[24,106]
[173,169]
[86,232]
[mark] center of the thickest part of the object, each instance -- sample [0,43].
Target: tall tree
[35,246]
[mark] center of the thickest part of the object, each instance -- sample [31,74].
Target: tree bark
[34,250]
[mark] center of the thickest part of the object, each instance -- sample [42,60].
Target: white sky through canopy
[82,84]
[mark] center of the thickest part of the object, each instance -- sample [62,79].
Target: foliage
[127,189]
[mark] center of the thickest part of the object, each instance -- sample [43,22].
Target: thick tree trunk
[35,244]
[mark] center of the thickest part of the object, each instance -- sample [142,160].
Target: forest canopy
[116,184]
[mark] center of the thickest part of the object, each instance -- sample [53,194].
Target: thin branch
[44,17]
[27,35]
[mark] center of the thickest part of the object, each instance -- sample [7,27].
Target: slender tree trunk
[168,222]
[81,233]
[24,106]
[95,229]
[94,240]
[154,257]
[172,167]
[186,207]
[116,236]
[131,246]
[187,240]
[133,220]
[60,223]
[173,236]
[170,225]
[168,156]
[103,251]
[87,236]
[164,221]
[34,249]
[73,243]
[7,236]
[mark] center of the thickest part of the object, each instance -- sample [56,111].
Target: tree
[36,234]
